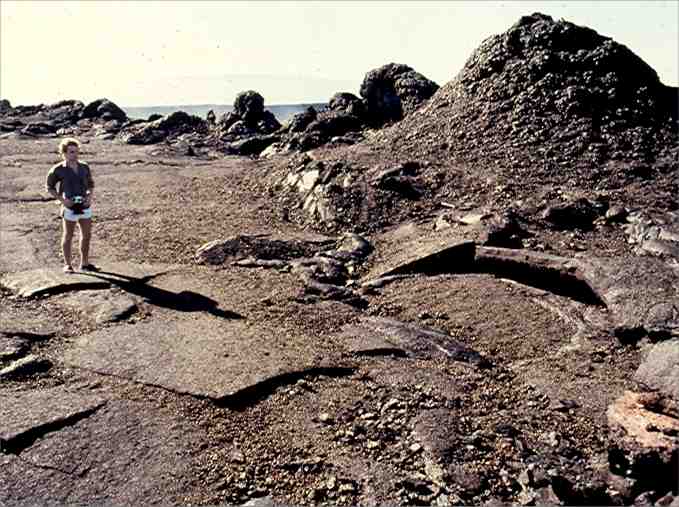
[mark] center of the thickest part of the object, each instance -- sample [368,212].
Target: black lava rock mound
[545,105]
[393,91]
[546,94]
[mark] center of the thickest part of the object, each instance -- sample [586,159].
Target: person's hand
[89,199]
[67,202]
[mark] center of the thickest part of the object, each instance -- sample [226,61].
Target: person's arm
[52,180]
[90,189]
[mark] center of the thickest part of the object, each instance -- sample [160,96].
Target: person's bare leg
[66,240]
[85,225]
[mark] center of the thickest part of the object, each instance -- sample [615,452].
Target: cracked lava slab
[201,355]
[24,414]
[102,306]
[409,249]
[125,453]
[47,281]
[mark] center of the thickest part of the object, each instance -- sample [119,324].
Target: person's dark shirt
[70,182]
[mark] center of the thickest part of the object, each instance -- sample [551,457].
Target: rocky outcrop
[24,367]
[249,106]
[546,104]
[327,125]
[347,103]
[68,117]
[247,118]
[42,119]
[166,128]
[393,91]
[247,129]
[105,110]
[389,93]
[300,121]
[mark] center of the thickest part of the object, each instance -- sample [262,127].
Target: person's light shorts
[72,217]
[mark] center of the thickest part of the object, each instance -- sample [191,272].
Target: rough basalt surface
[478,304]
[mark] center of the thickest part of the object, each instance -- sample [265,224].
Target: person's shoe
[89,267]
[68,269]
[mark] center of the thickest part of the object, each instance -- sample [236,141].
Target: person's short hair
[65,143]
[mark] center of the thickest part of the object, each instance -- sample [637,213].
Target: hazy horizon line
[230,105]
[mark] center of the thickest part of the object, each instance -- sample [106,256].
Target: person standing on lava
[71,183]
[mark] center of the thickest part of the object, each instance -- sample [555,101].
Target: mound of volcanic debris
[68,117]
[548,94]
[547,103]
[388,94]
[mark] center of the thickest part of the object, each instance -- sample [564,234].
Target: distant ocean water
[282,111]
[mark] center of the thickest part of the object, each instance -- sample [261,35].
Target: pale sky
[176,53]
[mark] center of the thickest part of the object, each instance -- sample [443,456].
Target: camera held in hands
[78,204]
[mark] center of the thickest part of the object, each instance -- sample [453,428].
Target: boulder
[331,124]
[328,124]
[248,118]
[393,91]
[240,128]
[660,368]
[300,121]
[347,103]
[399,179]
[5,106]
[250,146]
[643,443]
[103,109]
[227,119]
[268,123]
[249,106]
[504,230]
[181,121]
[143,135]
[576,214]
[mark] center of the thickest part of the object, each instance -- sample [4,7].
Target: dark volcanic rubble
[388,94]
[101,118]
[548,93]
[545,103]
[422,296]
